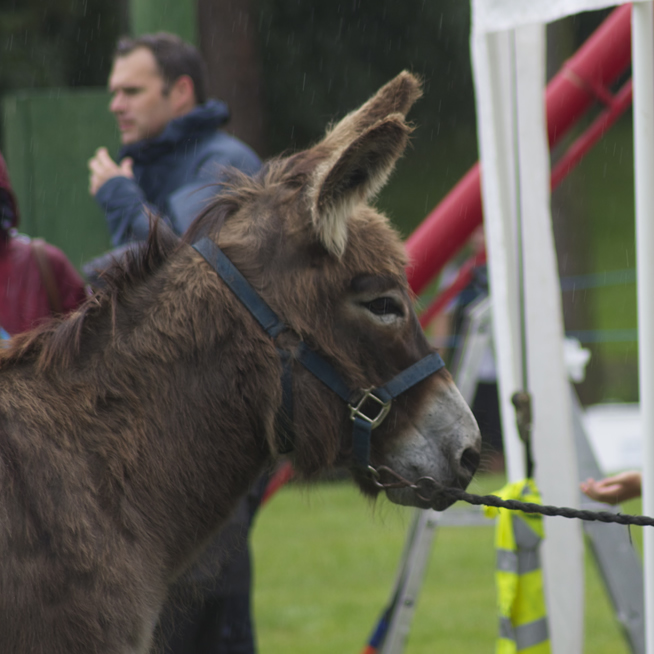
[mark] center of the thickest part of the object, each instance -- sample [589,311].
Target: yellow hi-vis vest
[521,600]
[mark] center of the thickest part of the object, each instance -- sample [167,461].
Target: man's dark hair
[174,58]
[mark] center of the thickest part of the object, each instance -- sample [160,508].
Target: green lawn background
[325,562]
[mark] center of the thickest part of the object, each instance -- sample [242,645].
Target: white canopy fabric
[498,15]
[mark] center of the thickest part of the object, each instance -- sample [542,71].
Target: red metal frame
[574,154]
[594,133]
[584,78]
[463,278]
[282,475]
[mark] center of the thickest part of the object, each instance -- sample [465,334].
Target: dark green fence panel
[48,139]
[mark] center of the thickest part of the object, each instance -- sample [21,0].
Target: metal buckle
[384,408]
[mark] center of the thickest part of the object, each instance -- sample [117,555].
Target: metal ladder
[619,565]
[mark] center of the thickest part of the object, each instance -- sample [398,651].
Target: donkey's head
[333,270]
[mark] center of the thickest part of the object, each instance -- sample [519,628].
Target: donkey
[129,430]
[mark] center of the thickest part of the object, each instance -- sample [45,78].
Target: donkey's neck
[201,388]
[190,388]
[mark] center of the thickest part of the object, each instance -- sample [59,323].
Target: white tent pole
[509,81]
[552,431]
[643,108]
[492,63]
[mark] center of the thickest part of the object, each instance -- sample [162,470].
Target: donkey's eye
[384,306]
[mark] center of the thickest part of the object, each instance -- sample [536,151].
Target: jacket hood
[11,217]
[207,117]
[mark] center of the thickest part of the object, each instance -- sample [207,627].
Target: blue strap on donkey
[368,407]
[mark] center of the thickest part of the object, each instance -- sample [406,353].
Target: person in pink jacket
[36,278]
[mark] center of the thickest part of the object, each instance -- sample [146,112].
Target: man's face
[141,107]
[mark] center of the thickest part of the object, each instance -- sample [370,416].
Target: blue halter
[368,408]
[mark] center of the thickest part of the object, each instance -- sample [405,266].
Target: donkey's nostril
[470,460]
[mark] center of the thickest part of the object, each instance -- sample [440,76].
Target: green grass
[325,562]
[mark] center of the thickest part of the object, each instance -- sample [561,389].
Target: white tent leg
[553,433]
[492,59]
[509,77]
[643,77]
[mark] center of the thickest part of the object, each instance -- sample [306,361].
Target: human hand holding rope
[613,490]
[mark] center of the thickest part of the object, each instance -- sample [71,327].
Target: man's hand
[614,490]
[103,168]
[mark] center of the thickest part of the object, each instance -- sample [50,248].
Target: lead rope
[426,487]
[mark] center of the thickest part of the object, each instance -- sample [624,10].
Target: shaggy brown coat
[129,430]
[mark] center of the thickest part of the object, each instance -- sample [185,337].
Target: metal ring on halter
[400,482]
[423,484]
[374,473]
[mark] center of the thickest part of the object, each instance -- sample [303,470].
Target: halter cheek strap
[379,400]
[368,408]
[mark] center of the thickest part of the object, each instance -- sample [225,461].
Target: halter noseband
[368,407]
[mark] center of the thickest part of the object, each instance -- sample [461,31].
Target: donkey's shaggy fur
[129,430]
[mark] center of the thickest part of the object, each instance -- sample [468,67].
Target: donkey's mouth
[437,492]
[408,497]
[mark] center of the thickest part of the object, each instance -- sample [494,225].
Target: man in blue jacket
[171,163]
[173,148]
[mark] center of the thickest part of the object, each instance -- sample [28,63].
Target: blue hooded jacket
[175,173]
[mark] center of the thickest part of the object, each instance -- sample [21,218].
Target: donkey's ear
[395,97]
[360,171]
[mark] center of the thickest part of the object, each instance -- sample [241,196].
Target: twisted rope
[544,509]
[426,487]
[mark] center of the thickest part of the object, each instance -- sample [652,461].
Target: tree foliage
[322,58]
[48,43]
